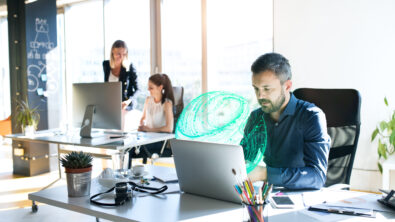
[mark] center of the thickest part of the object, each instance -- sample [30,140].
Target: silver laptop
[205,168]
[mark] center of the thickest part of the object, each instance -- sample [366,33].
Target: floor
[14,190]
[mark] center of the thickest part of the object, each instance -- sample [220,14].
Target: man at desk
[297,148]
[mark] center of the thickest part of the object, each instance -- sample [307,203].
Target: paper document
[167,178]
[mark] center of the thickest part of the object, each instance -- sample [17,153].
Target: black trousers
[146,152]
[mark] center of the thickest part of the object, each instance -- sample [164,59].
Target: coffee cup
[138,170]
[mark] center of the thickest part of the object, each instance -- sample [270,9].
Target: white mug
[138,170]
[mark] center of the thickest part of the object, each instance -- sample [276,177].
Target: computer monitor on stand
[97,105]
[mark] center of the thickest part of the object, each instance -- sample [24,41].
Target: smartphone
[282,201]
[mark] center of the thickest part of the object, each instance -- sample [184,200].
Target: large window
[5,103]
[238,31]
[55,84]
[130,21]
[84,45]
[84,41]
[181,45]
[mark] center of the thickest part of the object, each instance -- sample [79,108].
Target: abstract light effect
[221,117]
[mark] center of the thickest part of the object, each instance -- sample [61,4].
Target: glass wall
[181,45]
[242,32]
[130,21]
[5,103]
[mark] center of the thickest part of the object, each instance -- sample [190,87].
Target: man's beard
[272,107]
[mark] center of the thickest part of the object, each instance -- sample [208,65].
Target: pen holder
[255,213]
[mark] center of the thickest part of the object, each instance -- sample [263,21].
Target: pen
[340,211]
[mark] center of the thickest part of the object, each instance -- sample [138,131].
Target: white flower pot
[29,130]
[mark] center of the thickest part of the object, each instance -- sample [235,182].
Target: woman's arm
[144,114]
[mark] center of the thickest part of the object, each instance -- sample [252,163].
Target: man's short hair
[273,62]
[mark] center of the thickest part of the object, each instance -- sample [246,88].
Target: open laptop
[205,168]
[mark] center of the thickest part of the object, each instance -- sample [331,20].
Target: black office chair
[178,106]
[342,110]
[178,103]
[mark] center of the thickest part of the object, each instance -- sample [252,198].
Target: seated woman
[158,107]
[157,115]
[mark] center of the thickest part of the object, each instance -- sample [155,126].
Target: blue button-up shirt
[297,148]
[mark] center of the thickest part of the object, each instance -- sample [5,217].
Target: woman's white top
[155,113]
[113,78]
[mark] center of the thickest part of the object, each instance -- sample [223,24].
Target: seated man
[297,144]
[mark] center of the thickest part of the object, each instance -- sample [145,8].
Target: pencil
[268,192]
[249,201]
[249,191]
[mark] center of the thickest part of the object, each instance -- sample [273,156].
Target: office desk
[54,136]
[177,207]
[130,140]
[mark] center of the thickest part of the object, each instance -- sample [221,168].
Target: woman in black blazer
[117,69]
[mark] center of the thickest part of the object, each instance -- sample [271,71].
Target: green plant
[386,139]
[76,160]
[26,116]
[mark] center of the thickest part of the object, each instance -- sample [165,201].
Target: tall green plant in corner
[26,116]
[386,137]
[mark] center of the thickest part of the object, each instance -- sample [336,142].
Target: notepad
[167,178]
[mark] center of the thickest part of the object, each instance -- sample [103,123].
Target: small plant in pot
[385,132]
[78,168]
[27,117]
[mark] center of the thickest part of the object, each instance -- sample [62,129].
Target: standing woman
[117,69]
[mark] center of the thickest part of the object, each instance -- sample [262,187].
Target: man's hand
[258,174]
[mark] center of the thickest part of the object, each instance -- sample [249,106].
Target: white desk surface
[72,138]
[180,207]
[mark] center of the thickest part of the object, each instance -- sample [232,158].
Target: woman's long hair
[163,79]
[125,62]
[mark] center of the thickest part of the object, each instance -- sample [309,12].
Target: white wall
[343,44]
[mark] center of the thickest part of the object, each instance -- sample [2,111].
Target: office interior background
[207,45]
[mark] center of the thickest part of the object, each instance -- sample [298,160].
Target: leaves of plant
[380,167]
[383,125]
[374,134]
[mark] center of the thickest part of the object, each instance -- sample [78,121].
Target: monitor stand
[86,126]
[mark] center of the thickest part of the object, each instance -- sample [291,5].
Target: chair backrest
[342,110]
[178,92]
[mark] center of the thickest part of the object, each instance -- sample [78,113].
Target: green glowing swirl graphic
[221,117]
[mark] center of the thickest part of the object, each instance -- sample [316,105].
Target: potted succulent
[78,168]
[386,138]
[27,117]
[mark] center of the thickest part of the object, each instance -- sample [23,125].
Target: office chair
[5,127]
[178,103]
[178,106]
[145,150]
[342,110]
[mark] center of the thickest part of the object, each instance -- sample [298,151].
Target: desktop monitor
[97,105]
